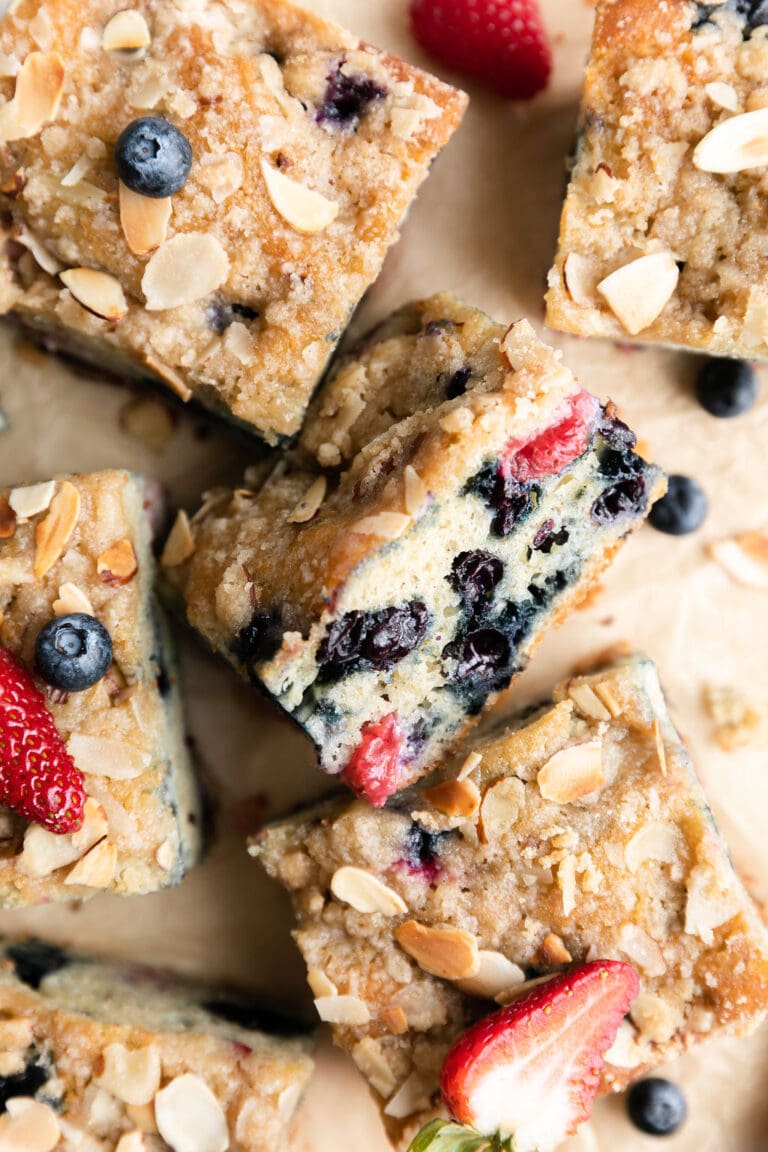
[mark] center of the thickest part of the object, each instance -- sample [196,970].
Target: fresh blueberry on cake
[396,570]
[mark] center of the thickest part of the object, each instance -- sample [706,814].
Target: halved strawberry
[552,450]
[373,771]
[532,1070]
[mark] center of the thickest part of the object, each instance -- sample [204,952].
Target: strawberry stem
[447,1136]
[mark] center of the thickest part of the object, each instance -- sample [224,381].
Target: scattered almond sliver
[365,892]
[96,869]
[454,797]
[39,87]
[98,292]
[7,520]
[72,599]
[127,31]
[639,292]
[180,544]
[30,501]
[305,210]
[186,268]
[572,773]
[449,953]
[736,144]
[310,502]
[118,564]
[144,220]
[53,534]
[744,558]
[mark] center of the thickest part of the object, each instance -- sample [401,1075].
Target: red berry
[532,1070]
[373,771]
[557,446]
[38,777]
[501,43]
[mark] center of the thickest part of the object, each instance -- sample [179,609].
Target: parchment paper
[485,227]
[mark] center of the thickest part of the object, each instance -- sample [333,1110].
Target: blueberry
[617,433]
[754,13]
[483,657]
[422,848]
[474,576]
[546,537]
[346,100]
[622,501]
[28,1082]
[253,1017]
[73,652]
[362,640]
[510,500]
[682,510]
[153,158]
[727,388]
[259,640]
[656,1106]
[34,960]
[219,315]
[457,384]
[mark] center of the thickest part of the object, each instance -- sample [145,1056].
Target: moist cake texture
[663,235]
[120,1058]
[308,147]
[579,833]
[454,493]
[82,544]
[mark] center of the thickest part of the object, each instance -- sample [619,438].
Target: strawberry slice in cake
[453,495]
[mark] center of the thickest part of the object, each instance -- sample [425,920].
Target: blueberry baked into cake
[97,1055]
[201,193]
[453,494]
[663,232]
[580,833]
[96,787]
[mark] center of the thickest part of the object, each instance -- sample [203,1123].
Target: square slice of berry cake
[454,494]
[663,232]
[107,1057]
[96,786]
[579,833]
[199,194]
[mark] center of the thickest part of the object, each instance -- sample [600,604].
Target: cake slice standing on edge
[581,833]
[663,232]
[83,646]
[200,194]
[124,1059]
[454,494]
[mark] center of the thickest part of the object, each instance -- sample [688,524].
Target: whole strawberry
[501,43]
[38,777]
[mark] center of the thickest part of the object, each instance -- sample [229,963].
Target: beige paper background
[485,227]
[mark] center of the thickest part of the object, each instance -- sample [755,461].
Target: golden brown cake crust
[661,77]
[213,70]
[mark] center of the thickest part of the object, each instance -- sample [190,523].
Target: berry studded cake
[663,231]
[454,493]
[201,193]
[96,788]
[108,1057]
[578,834]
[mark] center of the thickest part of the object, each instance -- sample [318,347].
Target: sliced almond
[572,773]
[345,1010]
[385,525]
[308,506]
[735,144]
[579,279]
[395,1020]
[149,421]
[130,1074]
[165,856]
[131,1142]
[320,983]
[520,990]
[588,702]
[624,1052]
[72,599]
[654,841]
[170,377]
[101,756]
[744,558]
[553,951]
[221,175]
[180,544]
[639,292]
[657,1019]
[495,975]
[53,534]
[661,751]
[501,807]
[474,760]
[98,292]
[369,1056]
[416,491]
[566,882]
[186,268]
[413,1095]
[39,87]
[454,797]
[723,95]
[642,950]
[127,31]
[712,901]
[142,1116]
[43,852]
[7,520]
[302,208]
[118,564]
[365,892]
[189,1117]
[96,869]
[144,220]
[30,501]
[449,953]
[28,1127]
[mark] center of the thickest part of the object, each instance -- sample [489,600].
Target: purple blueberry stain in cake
[259,640]
[546,538]
[421,852]
[347,99]
[220,315]
[475,576]
[372,640]
[509,499]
